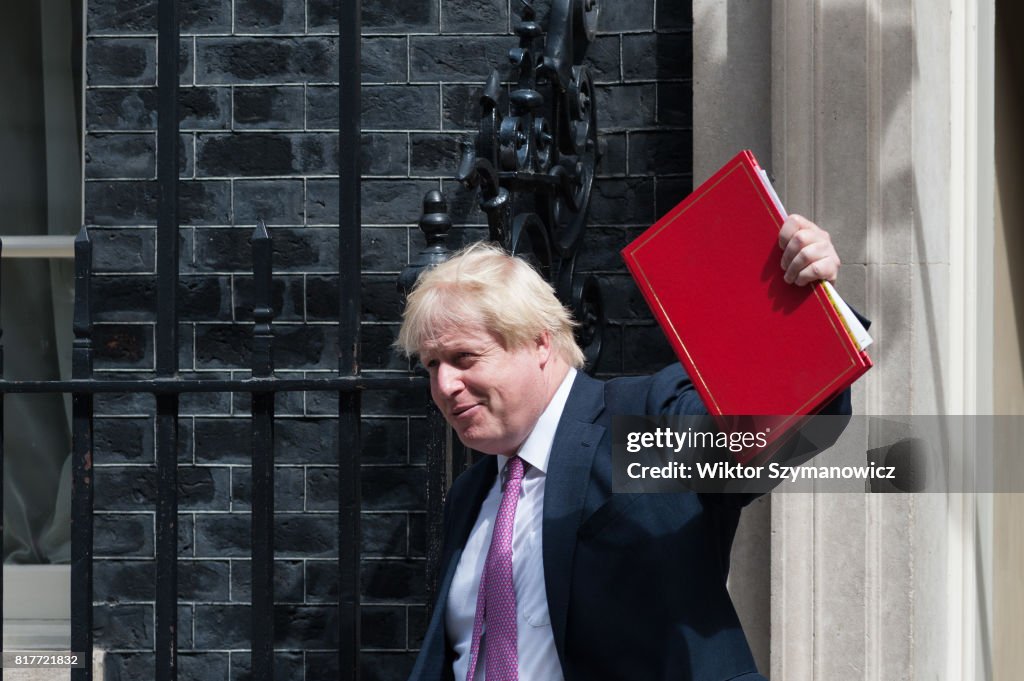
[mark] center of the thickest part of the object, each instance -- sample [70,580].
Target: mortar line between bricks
[125,131]
[269,129]
[194,339]
[386,650]
[683,30]
[454,81]
[221,603]
[646,81]
[216,84]
[222,178]
[145,178]
[289,84]
[143,559]
[210,132]
[305,303]
[388,83]
[440,117]
[223,132]
[464,34]
[220,651]
[405,619]
[268,36]
[315,33]
[127,512]
[126,86]
[231,294]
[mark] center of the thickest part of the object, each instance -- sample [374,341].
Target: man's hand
[807,252]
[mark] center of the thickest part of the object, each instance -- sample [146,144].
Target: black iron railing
[263,386]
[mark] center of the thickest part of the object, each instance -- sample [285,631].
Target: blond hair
[482,285]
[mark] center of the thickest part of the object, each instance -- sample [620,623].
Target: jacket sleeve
[672,393]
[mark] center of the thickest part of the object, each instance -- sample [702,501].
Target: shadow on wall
[1009,158]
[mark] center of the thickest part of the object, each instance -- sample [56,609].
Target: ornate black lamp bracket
[533,161]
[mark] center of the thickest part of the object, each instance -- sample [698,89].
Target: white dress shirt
[538,659]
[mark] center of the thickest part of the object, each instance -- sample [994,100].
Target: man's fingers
[818,258]
[802,239]
[793,224]
[824,269]
[807,252]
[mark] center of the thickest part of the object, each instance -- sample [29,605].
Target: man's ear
[544,347]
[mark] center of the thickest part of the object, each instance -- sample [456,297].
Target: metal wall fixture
[41,246]
[533,161]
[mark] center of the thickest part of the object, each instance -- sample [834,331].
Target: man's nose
[448,379]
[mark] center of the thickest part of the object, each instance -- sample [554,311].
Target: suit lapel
[572,455]
[462,514]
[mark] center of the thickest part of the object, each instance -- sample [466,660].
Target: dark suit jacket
[635,582]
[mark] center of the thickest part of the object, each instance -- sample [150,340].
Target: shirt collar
[536,449]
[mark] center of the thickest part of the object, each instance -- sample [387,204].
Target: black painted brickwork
[259,140]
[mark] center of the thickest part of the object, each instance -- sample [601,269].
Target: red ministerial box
[752,344]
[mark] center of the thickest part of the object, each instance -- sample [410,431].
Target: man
[545,574]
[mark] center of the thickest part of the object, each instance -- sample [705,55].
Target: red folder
[752,344]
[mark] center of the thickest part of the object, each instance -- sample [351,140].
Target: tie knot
[515,469]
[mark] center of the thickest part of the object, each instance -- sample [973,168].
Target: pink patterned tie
[496,600]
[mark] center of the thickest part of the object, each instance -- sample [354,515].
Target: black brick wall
[259,116]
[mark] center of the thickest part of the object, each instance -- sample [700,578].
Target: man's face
[491,396]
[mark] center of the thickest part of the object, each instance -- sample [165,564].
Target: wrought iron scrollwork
[534,157]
